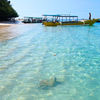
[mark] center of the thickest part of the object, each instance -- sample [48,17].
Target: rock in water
[47,83]
[54,55]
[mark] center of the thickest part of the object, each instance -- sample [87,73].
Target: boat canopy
[59,15]
[61,18]
[32,17]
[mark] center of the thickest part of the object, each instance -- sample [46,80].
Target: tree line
[6,10]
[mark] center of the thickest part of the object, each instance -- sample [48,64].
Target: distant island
[7,12]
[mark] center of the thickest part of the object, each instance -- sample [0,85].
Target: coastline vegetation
[7,12]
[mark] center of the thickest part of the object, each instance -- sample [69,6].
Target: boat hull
[51,23]
[86,22]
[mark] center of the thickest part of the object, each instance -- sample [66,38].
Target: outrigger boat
[65,20]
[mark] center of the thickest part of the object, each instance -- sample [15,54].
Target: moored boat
[32,20]
[65,20]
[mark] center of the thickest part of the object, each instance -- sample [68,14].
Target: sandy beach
[8,23]
[11,30]
[5,24]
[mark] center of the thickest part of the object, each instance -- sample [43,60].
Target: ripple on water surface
[49,63]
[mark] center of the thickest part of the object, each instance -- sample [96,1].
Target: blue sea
[50,63]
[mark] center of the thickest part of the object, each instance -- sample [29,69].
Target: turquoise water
[71,54]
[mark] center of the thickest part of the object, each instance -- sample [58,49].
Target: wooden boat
[66,20]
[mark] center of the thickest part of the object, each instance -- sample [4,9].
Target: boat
[56,20]
[32,20]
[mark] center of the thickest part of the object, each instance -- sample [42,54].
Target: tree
[6,10]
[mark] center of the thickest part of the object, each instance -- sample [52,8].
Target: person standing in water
[89,16]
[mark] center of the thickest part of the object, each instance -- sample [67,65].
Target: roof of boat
[32,17]
[58,15]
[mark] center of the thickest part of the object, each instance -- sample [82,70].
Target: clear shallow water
[32,53]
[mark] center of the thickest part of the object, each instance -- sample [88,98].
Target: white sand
[4,24]
[7,23]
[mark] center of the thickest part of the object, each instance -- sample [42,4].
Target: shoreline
[9,23]
[4,24]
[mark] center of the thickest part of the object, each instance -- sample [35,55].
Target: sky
[37,8]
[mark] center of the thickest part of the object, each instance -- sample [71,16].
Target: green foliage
[6,10]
